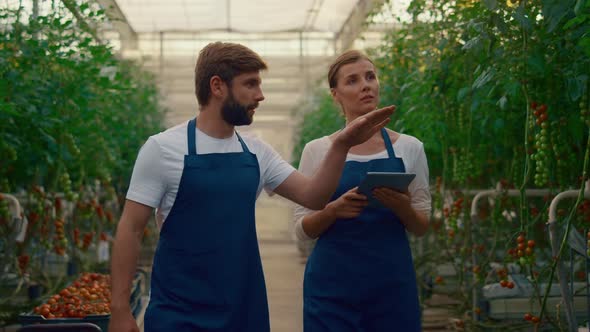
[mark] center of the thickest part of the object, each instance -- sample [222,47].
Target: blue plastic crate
[102,321]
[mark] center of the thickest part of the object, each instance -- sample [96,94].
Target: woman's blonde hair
[345,58]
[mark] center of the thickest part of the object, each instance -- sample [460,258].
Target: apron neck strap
[387,142]
[192,139]
[244,146]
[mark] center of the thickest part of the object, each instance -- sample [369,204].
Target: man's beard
[235,113]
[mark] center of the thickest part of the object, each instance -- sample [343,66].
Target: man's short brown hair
[226,60]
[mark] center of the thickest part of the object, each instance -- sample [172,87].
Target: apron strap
[244,146]
[388,144]
[192,139]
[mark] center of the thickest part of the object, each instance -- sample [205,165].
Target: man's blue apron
[207,274]
[360,275]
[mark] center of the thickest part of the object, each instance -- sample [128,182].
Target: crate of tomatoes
[86,300]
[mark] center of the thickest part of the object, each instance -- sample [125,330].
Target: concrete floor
[284,279]
[282,263]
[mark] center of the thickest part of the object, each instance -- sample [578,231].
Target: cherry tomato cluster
[76,237]
[109,216]
[452,214]
[438,184]
[66,184]
[71,145]
[96,218]
[581,275]
[530,318]
[503,276]
[583,221]
[44,231]
[583,212]
[479,248]
[90,294]
[87,240]
[99,210]
[439,280]
[437,206]
[462,164]
[59,239]
[476,270]
[542,144]
[39,216]
[23,262]
[584,111]
[524,250]
[56,240]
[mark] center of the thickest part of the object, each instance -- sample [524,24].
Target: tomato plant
[498,93]
[73,115]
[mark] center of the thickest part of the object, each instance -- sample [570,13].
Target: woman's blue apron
[360,275]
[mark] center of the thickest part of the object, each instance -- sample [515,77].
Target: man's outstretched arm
[315,192]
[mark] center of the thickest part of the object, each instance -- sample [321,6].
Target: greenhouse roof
[238,15]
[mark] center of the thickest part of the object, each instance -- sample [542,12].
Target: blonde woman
[360,274]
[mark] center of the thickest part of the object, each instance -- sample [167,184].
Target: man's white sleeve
[147,186]
[275,169]
[419,188]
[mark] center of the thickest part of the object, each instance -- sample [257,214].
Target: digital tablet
[393,180]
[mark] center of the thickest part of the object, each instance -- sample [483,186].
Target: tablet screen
[392,180]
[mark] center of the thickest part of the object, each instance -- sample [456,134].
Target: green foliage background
[463,75]
[469,79]
[69,107]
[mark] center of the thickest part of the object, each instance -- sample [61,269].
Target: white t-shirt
[406,147]
[159,165]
